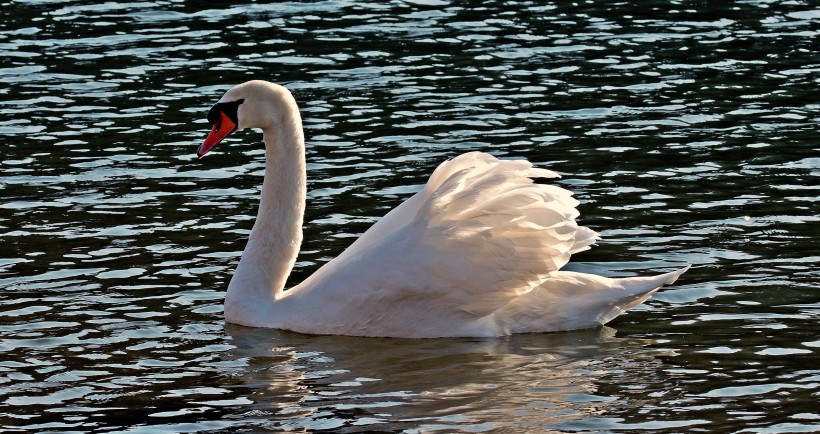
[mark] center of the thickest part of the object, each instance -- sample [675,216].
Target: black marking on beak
[231,109]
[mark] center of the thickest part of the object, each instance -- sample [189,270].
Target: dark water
[688,130]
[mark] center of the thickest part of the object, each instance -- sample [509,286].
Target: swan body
[477,252]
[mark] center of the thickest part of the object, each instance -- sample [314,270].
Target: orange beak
[220,130]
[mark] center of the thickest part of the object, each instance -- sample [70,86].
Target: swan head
[253,104]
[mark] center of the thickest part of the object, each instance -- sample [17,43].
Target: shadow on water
[521,382]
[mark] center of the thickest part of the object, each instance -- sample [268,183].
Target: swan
[476,253]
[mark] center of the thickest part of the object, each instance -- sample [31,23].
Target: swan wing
[479,234]
[408,210]
[497,234]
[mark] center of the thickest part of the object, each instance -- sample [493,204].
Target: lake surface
[688,131]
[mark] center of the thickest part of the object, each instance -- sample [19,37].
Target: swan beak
[220,130]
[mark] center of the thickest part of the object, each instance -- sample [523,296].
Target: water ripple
[686,131]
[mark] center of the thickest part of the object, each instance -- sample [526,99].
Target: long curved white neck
[277,233]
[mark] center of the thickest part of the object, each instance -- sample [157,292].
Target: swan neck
[277,233]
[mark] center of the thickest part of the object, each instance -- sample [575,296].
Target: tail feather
[570,300]
[639,289]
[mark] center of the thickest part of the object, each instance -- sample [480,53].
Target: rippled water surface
[688,130]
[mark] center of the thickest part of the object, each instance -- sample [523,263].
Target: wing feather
[479,234]
[507,232]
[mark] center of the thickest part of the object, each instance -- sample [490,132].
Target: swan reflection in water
[330,382]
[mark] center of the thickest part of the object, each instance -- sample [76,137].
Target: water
[687,130]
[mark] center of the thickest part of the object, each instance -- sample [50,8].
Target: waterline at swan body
[477,252]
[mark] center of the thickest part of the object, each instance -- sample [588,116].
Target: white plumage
[477,252]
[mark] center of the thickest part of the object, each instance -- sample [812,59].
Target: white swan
[477,252]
